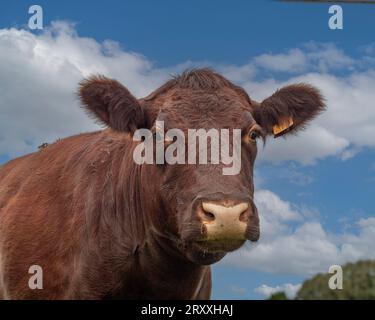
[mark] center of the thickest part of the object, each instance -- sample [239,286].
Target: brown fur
[102,227]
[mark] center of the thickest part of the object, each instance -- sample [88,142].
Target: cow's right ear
[289,109]
[111,103]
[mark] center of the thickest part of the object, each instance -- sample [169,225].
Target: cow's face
[211,202]
[207,203]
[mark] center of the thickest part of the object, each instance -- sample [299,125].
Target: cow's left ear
[111,103]
[288,109]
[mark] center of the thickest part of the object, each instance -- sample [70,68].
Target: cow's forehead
[199,98]
[202,109]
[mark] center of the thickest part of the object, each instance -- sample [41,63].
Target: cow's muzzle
[226,223]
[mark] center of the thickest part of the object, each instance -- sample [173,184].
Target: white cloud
[314,143]
[289,289]
[303,247]
[327,56]
[274,206]
[349,153]
[313,56]
[238,74]
[294,60]
[39,77]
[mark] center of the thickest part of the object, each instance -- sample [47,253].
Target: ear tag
[283,127]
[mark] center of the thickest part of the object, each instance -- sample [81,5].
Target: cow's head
[207,212]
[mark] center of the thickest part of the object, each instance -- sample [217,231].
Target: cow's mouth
[208,252]
[222,245]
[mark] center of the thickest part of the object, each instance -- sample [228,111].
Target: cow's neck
[164,266]
[139,261]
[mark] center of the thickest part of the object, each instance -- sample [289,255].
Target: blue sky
[244,39]
[173,31]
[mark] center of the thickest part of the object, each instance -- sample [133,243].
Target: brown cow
[103,227]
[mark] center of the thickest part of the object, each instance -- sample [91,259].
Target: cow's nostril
[209,216]
[244,217]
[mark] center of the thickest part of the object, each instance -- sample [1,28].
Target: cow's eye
[254,135]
